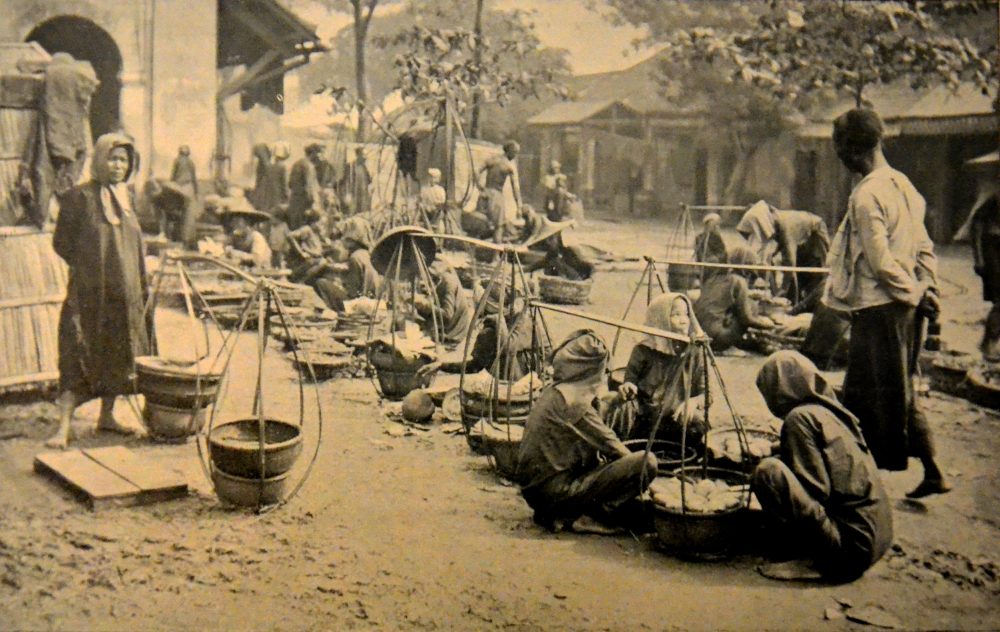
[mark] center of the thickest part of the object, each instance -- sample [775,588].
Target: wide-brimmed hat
[240,207]
[391,241]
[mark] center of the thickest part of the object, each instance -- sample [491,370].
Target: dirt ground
[407,529]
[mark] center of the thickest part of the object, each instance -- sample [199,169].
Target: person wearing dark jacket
[724,309]
[103,326]
[559,466]
[824,492]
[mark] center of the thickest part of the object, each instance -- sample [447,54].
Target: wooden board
[156,483]
[111,476]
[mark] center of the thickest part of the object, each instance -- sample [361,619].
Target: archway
[86,41]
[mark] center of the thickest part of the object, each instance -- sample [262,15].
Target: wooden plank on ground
[96,484]
[155,482]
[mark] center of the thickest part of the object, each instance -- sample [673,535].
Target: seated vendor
[455,305]
[824,491]
[664,376]
[500,338]
[246,244]
[560,259]
[360,278]
[570,464]
[708,245]
[724,309]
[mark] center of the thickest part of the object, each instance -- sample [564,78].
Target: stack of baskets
[177,397]
[397,373]
[248,471]
[562,291]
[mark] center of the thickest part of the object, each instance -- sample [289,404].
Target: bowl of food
[700,513]
[726,447]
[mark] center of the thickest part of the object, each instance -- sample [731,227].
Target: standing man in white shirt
[883,272]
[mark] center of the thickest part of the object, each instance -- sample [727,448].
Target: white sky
[594,44]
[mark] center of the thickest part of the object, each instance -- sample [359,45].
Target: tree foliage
[793,49]
[504,64]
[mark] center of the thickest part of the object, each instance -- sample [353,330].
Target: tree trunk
[361,82]
[476,94]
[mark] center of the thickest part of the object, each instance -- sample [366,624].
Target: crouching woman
[570,463]
[825,489]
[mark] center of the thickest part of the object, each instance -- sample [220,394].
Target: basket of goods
[498,400]
[554,289]
[767,341]
[177,394]
[319,363]
[293,294]
[357,315]
[667,453]
[396,360]
[984,386]
[248,470]
[700,512]
[501,442]
[745,448]
[947,370]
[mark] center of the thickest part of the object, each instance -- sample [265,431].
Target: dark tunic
[303,192]
[274,188]
[456,308]
[724,309]
[710,248]
[661,381]
[560,437]
[102,328]
[827,490]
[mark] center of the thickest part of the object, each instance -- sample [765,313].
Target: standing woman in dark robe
[261,158]
[103,326]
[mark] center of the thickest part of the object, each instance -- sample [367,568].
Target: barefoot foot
[108,423]
[58,441]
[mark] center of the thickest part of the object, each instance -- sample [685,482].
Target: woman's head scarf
[582,356]
[113,194]
[658,316]
[788,379]
[356,229]
[757,224]
[102,149]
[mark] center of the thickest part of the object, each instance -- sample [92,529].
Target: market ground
[416,532]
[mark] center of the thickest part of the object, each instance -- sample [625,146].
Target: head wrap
[435,174]
[658,316]
[281,150]
[555,166]
[788,379]
[184,150]
[511,145]
[757,224]
[356,229]
[314,148]
[582,356]
[858,131]
[711,217]
[103,148]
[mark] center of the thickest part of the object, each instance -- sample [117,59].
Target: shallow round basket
[667,453]
[171,385]
[234,447]
[563,291]
[249,492]
[984,387]
[717,457]
[167,424]
[394,362]
[947,370]
[502,444]
[498,410]
[395,385]
[324,365]
[767,342]
[702,536]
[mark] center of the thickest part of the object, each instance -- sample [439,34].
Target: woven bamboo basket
[564,291]
[32,290]
[767,342]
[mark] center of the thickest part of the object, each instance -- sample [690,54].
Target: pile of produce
[706,496]
[726,445]
[480,386]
